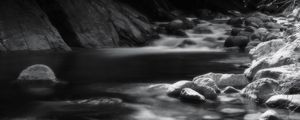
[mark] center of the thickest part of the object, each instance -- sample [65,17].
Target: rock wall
[24,26]
[60,24]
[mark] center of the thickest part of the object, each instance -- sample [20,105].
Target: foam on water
[205,42]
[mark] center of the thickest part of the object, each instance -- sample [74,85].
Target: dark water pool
[131,74]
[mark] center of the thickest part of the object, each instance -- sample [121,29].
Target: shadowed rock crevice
[59,19]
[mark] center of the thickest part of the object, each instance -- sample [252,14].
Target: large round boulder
[261,90]
[37,80]
[235,80]
[207,82]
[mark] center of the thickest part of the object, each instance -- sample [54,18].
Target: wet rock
[261,16]
[236,31]
[253,20]
[176,88]
[38,72]
[176,24]
[271,25]
[252,44]
[179,33]
[261,90]
[37,80]
[202,30]
[266,49]
[207,92]
[236,22]
[233,112]
[270,115]
[235,80]
[207,82]
[223,80]
[190,95]
[237,41]
[186,43]
[230,90]
[291,102]
[250,29]
[244,33]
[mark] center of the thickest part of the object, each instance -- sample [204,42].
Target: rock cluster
[252,29]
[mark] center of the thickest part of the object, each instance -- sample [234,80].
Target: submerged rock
[261,90]
[270,115]
[284,101]
[190,95]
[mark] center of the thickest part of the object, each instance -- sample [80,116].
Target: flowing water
[138,76]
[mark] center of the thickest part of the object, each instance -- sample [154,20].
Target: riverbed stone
[202,30]
[284,101]
[261,90]
[266,49]
[207,82]
[237,41]
[38,72]
[270,115]
[176,88]
[230,90]
[212,117]
[236,21]
[288,54]
[272,25]
[186,43]
[190,95]
[255,20]
[236,80]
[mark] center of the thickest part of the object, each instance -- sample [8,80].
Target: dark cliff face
[61,24]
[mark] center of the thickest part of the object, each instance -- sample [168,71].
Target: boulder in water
[202,30]
[186,43]
[236,80]
[272,25]
[207,82]
[38,80]
[236,41]
[236,22]
[261,90]
[176,88]
[190,95]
